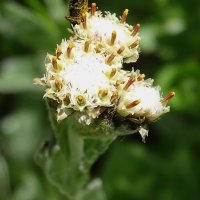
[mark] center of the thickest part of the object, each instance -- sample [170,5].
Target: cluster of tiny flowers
[85,76]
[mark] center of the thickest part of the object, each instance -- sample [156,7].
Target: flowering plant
[93,98]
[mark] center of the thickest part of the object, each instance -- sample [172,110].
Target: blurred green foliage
[168,165]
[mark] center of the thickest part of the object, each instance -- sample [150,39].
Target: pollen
[134,44]
[168,97]
[68,95]
[141,77]
[124,16]
[69,49]
[118,82]
[133,104]
[113,72]
[58,85]
[104,93]
[112,56]
[80,99]
[54,62]
[113,38]
[93,9]
[129,83]
[84,21]
[121,49]
[86,47]
[58,53]
[136,29]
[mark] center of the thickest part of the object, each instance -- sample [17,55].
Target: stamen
[98,50]
[118,82]
[113,72]
[58,85]
[121,49]
[99,47]
[93,9]
[69,49]
[104,93]
[168,97]
[113,38]
[136,29]
[124,16]
[84,21]
[80,99]
[140,77]
[129,83]
[134,44]
[133,104]
[54,62]
[86,47]
[59,52]
[112,56]
[68,95]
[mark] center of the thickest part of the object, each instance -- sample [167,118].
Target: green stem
[68,164]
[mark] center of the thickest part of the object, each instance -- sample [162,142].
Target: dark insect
[76,9]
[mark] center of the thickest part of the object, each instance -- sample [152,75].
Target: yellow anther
[93,9]
[121,49]
[104,93]
[118,82]
[113,72]
[80,99]
[84,21]
[86,47]
[133,104]
[58,53]
[54,63]
[168,97]
[136,29]
[68,95]
[111,57]
[129,83]
[140,77]
[113,38]
[69,49]
[58,85]
[134,44]
[124,16]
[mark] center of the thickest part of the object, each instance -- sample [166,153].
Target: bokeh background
[167,167]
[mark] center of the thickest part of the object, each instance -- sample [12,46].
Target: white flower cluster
[109,35]
[85,77]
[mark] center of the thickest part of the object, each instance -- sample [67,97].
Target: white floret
[99,31]
[150,107]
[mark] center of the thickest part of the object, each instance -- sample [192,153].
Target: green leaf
[28,27]
[17,75]
[5,179]
[58,9]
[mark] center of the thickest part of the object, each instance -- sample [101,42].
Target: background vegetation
[167,167]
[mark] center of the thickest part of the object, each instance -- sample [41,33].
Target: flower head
[110,34]
[141,101]
[85,76]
